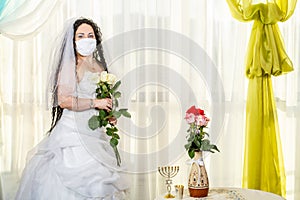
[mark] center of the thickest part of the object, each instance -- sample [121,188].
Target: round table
[225,193]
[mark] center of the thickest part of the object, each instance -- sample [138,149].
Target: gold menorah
[168,172]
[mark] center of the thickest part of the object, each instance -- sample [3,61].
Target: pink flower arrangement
[197,138]
[197,116]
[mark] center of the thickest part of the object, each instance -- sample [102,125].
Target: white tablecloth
[231,194]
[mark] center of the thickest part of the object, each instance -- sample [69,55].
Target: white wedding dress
[74,162]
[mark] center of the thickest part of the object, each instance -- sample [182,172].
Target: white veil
[63,67]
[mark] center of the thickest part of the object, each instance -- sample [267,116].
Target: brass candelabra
[168,172]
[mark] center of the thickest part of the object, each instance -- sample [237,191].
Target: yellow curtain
[266,56]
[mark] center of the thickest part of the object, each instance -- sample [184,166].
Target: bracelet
[92,105]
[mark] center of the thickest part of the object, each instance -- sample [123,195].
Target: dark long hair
[98,55]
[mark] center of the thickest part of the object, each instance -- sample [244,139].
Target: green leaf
[117,95]
[188,145]
[98,90]
[102,114]
[109,133]
[191,153]
[115,135]
[115,129]
[206,146]
[104,122]
[191,137]
[116,104]
[197,143]
[104,88]
[113,142]
[115,87]
[103,95]
[125,113]
[215,148]
[93,122]
[116,114]
[206,134]
[205,142]
[112,129]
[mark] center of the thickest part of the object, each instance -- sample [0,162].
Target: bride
[74,162]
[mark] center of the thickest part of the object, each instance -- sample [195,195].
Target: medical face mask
[86,46]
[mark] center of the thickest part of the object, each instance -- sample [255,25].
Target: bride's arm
[80,104]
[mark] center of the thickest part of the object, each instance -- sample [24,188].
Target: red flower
[195,111]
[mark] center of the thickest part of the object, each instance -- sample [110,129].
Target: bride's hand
[105,104]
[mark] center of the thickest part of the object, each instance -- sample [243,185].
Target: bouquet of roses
[197,141]
[107,87]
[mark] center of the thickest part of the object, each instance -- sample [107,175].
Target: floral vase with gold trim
[198,180]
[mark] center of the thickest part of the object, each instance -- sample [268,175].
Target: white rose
[111,79]
[103,76]
[107,77]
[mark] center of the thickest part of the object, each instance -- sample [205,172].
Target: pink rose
[201,120]
[190,118]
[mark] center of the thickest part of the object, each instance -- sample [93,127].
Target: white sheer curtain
[158,50]
[24,18]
